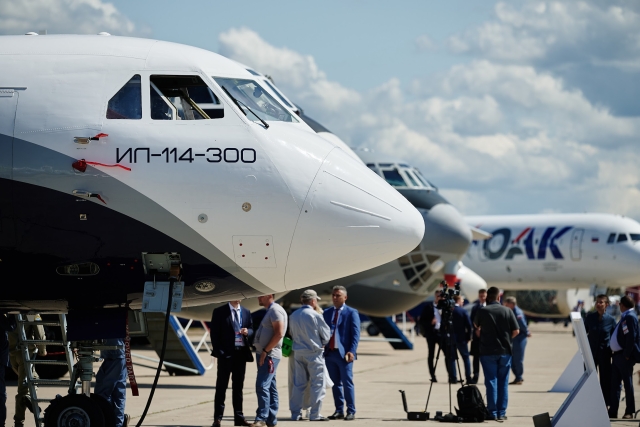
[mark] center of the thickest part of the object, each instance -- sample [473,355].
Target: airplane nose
[351,221]
[445,230]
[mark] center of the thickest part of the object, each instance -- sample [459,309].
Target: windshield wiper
[266,125]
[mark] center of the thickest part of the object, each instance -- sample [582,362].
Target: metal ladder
[32,382]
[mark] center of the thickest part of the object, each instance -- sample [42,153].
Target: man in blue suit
[340,353]
[625,345]
[231,332]
[462,330]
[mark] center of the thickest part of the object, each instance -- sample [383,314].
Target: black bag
[471,403]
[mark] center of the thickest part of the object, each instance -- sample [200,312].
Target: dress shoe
[627,416]
[433,379]
[516,382]
[503,418]
[350,417]
[336,416]
[259,424]
[217,423]
[241,422]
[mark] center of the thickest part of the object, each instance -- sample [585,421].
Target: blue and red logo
[525,243]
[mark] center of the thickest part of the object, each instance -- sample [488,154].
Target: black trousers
[4,360]
[234,367]
[475,352]
[603,364]
[621,371]
[432,340]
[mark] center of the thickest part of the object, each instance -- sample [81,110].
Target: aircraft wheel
[107,410]
[74,410]
[373,330]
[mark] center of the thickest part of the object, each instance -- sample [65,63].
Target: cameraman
[429,322]
[462,331]
[498,326]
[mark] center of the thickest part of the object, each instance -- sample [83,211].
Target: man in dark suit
[340,353]
[625,345]
[430,327]
[475,338]
[462,331]
[231,333]
[600,325]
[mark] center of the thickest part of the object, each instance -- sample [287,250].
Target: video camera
[446,302]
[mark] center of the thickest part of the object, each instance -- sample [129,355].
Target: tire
[373,330]
[74,410]
[107,410]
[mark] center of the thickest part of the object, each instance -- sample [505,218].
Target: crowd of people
[498,334]
[494,334]
[325,345]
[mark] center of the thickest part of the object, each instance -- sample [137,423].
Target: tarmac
[379,373]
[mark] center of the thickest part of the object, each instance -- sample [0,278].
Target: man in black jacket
[231,333]
[430,327]
[625,344]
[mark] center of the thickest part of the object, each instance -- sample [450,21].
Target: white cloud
[500,136]
[424,43]
[64,17]
[557,31]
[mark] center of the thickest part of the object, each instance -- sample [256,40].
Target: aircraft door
[8,105]
[576,243]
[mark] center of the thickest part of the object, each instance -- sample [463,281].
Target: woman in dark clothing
[600,326]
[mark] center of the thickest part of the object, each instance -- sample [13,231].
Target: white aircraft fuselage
[111,147]
[556,251]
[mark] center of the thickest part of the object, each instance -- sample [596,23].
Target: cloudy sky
[509,107]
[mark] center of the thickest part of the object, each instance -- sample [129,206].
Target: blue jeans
[517,362]
[496,380]
[111,383]
[463,349]
[266,391]
[341,373]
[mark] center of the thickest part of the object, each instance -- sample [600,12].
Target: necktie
[236,321]
[332,341]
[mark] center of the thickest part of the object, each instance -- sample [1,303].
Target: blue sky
[360,44]
[509,107]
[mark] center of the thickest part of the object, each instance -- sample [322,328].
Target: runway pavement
[379,373]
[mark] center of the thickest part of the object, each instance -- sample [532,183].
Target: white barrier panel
[585,405]
[570,376]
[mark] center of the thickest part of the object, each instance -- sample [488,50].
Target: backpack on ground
[471,405]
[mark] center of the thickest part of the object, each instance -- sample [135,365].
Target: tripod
[451,352]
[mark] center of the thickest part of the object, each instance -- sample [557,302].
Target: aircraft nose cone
[351,221]
[445,230]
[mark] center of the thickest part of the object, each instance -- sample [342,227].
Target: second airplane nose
[351,221]
[446,230]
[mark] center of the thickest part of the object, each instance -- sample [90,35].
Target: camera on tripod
[446,302]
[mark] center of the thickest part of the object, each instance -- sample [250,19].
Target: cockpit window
[622,237]
[282,98]
[127,103]
[183,98]
[255,100]
[611,238]
[634,236]
[425,181]
[412,179]
[373,168]
[394,178]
